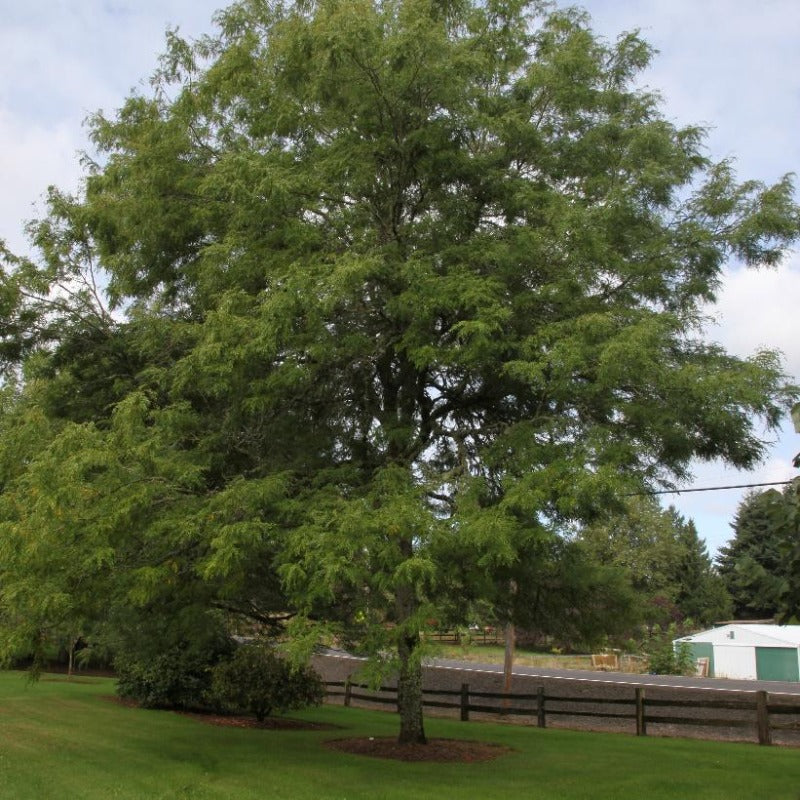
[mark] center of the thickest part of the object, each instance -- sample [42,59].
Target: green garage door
[777,664]
[703,650]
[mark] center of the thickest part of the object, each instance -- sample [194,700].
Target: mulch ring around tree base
[453,750]
[239,721]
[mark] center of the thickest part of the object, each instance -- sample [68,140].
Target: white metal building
[739,650]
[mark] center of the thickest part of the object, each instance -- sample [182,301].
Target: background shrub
[665,658]
[176,678]
[164,656]
[257,680]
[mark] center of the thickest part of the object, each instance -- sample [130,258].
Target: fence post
[762,714]
[465,702]
[540,717]
[347,690]
[641,721]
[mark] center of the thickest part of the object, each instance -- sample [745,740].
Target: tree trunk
[510,642]
[409,692]
[508,662]
[409,679]
[73,643]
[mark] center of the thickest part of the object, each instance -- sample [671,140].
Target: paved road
[624,678]
[617,678]
[568,689]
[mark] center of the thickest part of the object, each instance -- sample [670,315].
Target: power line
[711,488]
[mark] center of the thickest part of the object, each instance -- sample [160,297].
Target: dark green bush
[257,680]
[164,653]
[176,678]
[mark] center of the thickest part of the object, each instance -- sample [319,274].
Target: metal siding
[777,664]
[734,662]
[703,650]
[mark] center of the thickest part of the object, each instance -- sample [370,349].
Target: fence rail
[474,636]
[758,713]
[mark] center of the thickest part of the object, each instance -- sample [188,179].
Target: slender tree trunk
[508,661]
[510,642]
[409,679]
[71,665]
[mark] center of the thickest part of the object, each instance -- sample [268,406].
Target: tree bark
[510,644]
[409,679]
[73,643]
[409,692]
[508,661]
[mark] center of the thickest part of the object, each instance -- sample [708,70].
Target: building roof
[745,635]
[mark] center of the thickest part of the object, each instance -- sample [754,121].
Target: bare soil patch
[441,750]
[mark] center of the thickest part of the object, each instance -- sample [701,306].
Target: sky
[730,65]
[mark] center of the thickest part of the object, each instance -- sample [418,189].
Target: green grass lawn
[63,739]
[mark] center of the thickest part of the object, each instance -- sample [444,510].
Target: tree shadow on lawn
[461,751]
[439,750]
[236,720]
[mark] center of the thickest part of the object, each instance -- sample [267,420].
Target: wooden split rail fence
[479,636]
[759,713]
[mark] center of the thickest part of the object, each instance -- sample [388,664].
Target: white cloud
[733,66]
[759,309]
[61,62]
[31,158]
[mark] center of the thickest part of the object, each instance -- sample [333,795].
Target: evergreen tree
[700,592]
[665,560]
[757,563]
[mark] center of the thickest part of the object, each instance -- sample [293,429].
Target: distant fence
[759,713]
[474,635]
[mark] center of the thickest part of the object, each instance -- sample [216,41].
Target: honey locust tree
[437,271]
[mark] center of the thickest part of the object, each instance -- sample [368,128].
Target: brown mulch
[452,750]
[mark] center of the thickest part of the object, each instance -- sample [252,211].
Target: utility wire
[710,488]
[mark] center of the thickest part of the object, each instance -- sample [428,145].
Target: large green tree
[760,563]
[666,562]
[700,595]
[403,279]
